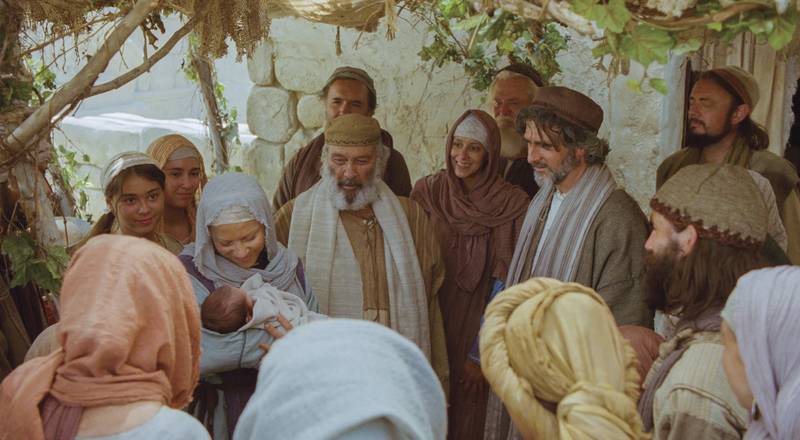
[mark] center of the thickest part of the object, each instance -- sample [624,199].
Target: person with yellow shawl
[721,130]
[552,352]
[130,332]
[185,175]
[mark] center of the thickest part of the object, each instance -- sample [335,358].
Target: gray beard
[365,196]
[511,143]
[557,175]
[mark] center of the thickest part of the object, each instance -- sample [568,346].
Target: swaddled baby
[228,309]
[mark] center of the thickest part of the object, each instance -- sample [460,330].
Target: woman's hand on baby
[275,332]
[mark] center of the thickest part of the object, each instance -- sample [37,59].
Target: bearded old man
[580,227]
[348,90]
[368,253]
[721,130]
[511,90]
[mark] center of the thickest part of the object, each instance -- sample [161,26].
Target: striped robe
[432,267]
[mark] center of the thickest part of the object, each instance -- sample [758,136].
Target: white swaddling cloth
[269,302]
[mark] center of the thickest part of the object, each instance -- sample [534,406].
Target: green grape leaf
[659,85]
[687,46]
[646,44]
[634,85]
[783,29]
[469,23]
[612,16]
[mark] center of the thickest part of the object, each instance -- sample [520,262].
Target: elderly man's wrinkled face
[510,96]
[351,177]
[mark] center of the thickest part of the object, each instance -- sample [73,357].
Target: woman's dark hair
[106,221]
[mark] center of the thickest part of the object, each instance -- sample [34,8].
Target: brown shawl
[161,149]
[130,331]
[492,206]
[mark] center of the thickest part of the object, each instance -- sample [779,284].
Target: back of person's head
[129,332]
[224,310]
[762,312]
[549,341]
[725,207]
[369,383]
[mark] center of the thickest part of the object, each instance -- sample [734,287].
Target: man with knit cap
[348,90]
[367,253]
[580,227]
[511,90]
[709,223]
[721,130]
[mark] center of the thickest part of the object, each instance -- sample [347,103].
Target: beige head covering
[353,130]
[558,342]
[721,201]
[174,147]
[353,73]
[742,81]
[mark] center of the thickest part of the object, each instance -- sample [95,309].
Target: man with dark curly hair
[580,227]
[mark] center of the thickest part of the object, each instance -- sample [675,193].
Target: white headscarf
[369,382]
[124,161]
[239,189]
[471,127]
[764,313]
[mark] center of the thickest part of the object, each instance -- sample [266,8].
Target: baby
[228,309]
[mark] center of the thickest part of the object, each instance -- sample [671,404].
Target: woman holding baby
[235,239]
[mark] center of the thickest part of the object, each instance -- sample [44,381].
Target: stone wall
[417,103]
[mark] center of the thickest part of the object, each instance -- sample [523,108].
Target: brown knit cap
[571,105]
[525,70]
[722,202]
[347,72]
[353,131]
[742,81]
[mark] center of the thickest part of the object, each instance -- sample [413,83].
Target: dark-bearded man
[709,223]
[720,129]
[367,253]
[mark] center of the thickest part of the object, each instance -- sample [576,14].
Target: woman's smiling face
[241,243]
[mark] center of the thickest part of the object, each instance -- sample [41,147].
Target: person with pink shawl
[130,332]
[477,217]
[760,329]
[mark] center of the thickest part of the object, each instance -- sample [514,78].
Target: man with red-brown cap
[720,129]
[580,227]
